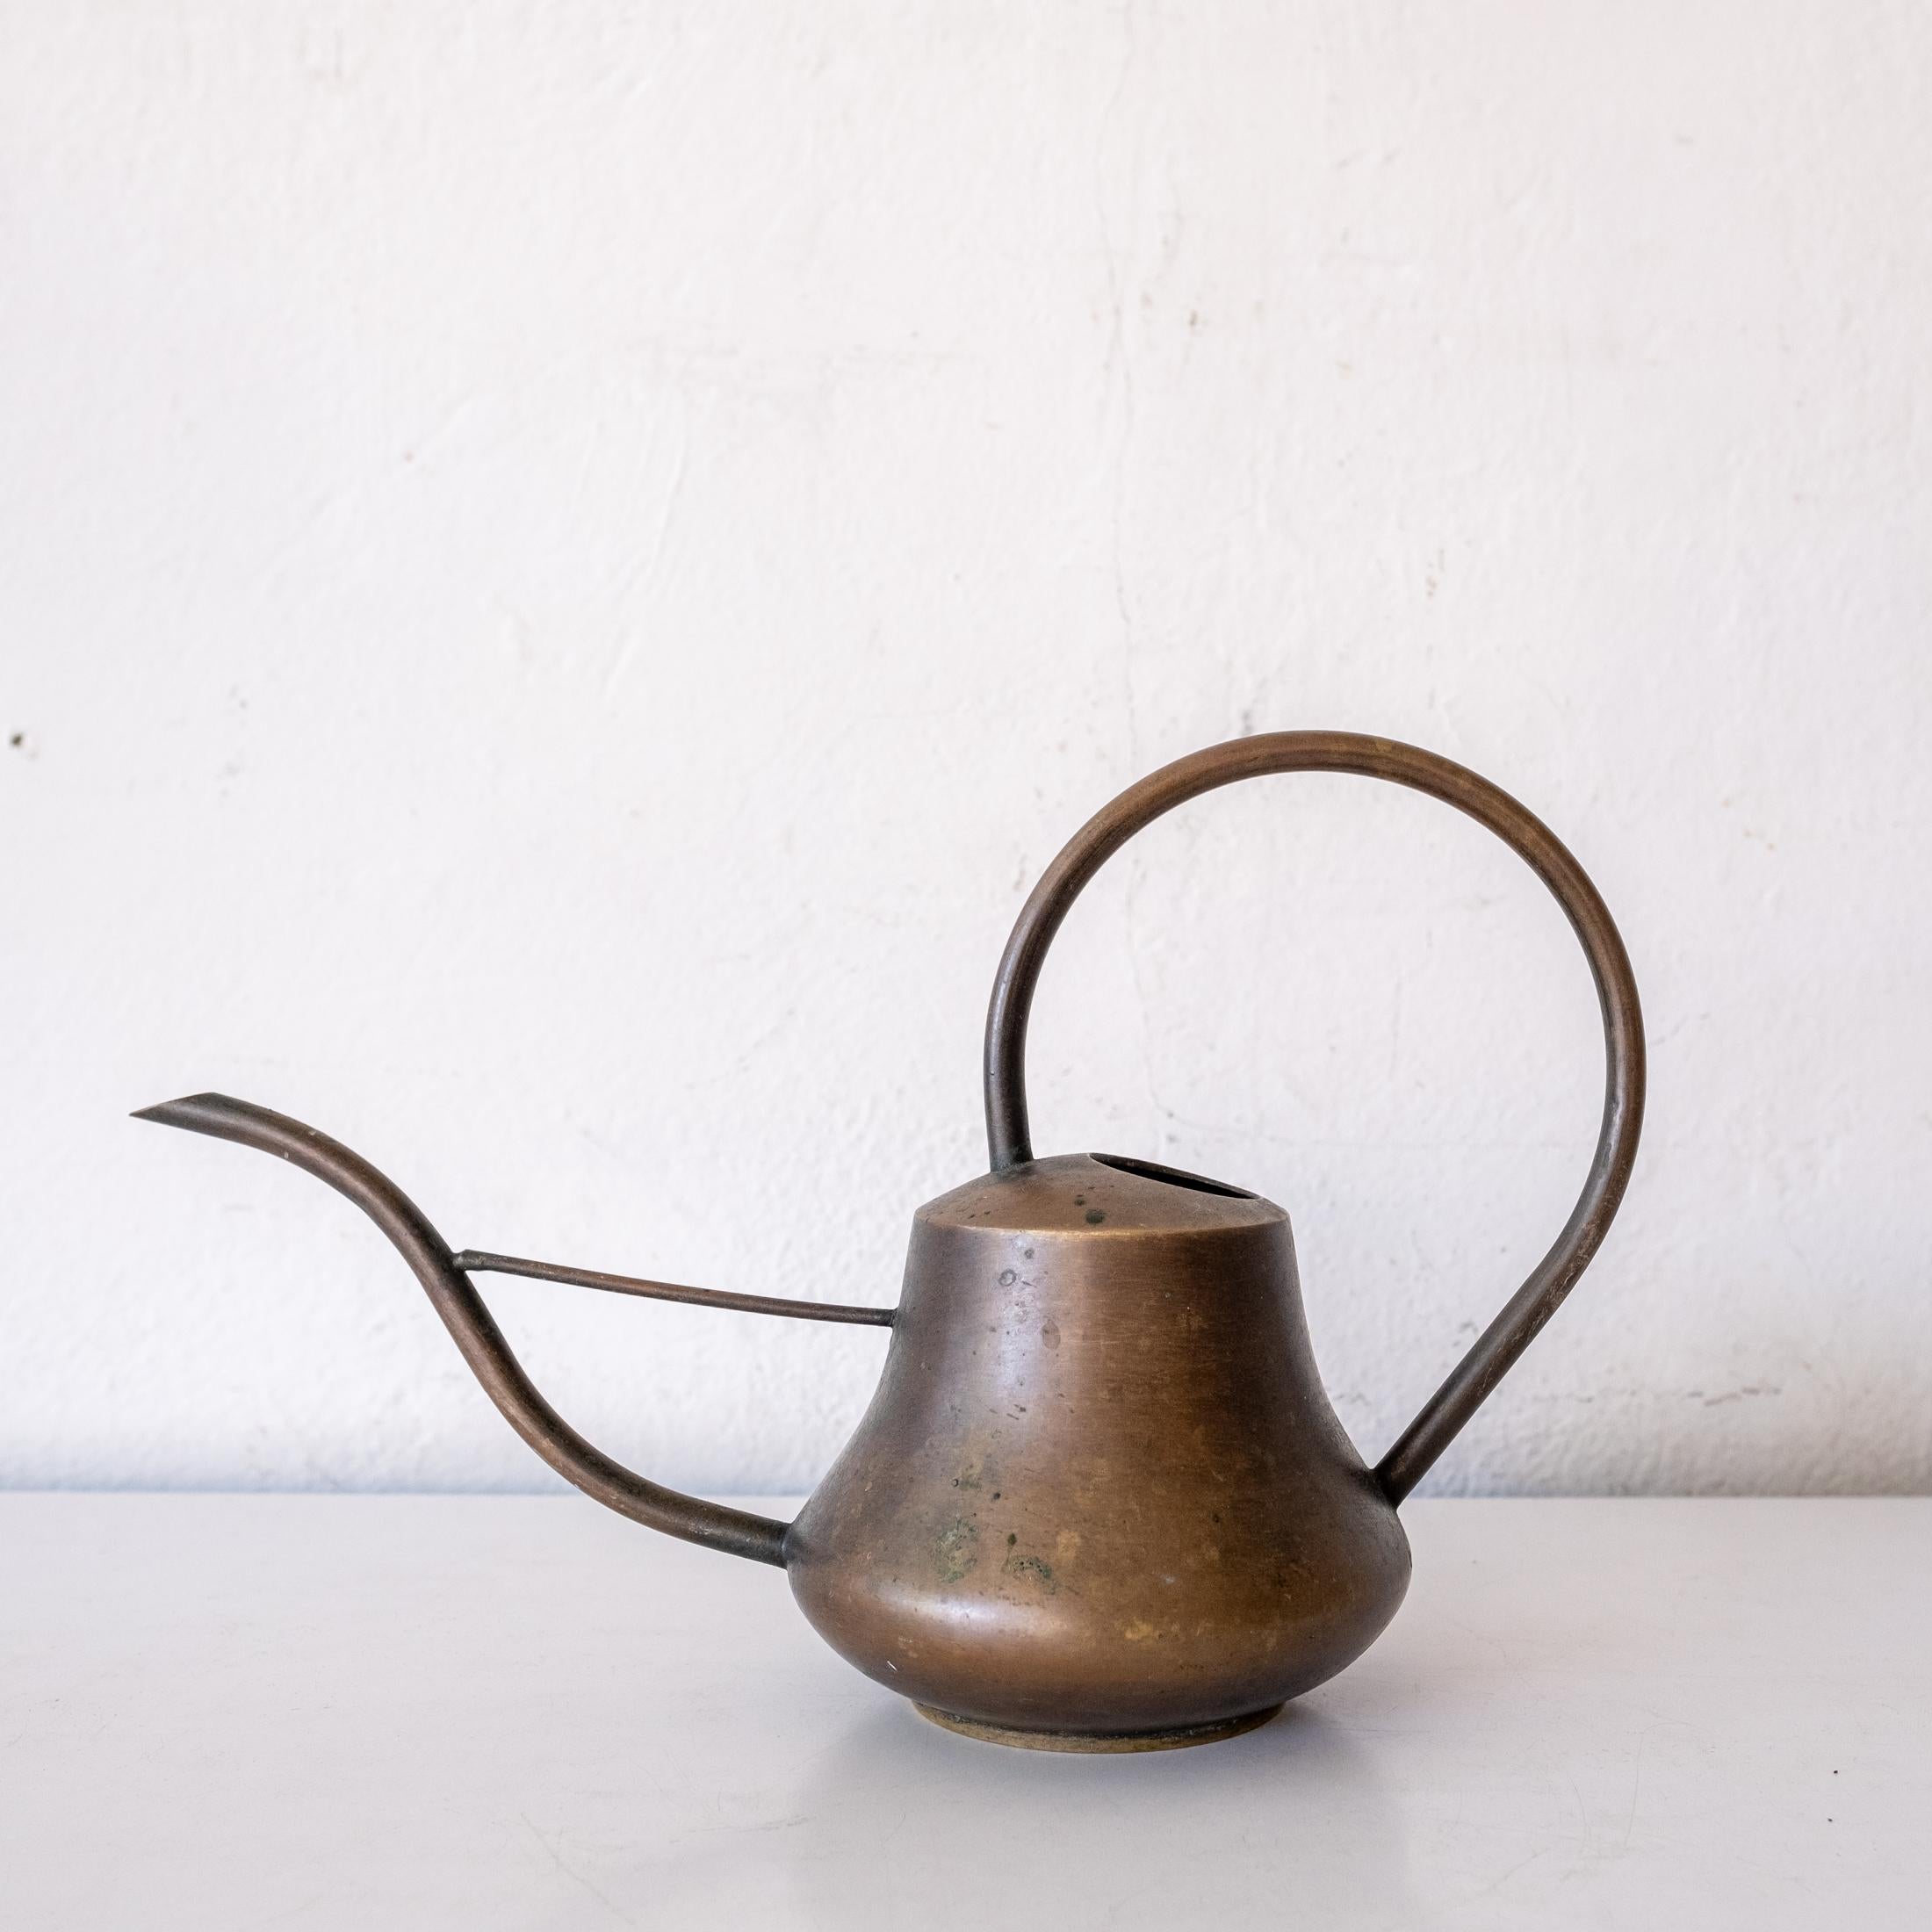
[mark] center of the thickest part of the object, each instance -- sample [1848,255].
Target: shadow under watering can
[1100,1500]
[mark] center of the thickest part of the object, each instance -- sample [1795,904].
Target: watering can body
[1099,1492]
[1100,1500]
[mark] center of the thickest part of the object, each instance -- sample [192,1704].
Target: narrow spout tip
[224,1118]
[190,1110]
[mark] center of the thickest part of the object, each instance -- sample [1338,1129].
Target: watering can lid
[1099,1193]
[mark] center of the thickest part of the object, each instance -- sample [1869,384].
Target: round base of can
[1173,1739]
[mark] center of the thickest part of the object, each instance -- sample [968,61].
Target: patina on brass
[1100,1501]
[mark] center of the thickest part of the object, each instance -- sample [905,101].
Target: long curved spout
[474,1329]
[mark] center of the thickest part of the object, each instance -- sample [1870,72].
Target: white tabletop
[473,1713]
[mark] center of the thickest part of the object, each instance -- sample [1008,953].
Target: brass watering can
[1100,1501]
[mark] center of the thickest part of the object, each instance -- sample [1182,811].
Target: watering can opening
[1174,1176]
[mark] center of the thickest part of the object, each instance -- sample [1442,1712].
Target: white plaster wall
[563,569]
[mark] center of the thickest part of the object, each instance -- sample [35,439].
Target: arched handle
[1522,1319]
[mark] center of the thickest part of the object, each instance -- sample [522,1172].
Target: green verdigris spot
[1034,1568]
[958,1550]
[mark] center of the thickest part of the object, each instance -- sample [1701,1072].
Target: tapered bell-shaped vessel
[1099,1492]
